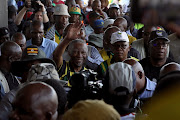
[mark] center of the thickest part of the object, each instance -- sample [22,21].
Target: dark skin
[40,103]
[139,72]
[120,50]
[61,22]
[20,39]
[113,13]
[169,68]
[10,51]
[71,35]
[121,23]
[96,6]
[74,18]
[107,37]
[158,51]
[37,33]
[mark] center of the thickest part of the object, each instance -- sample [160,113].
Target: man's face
[120,50]
[21,43]
[107,38]
[96,6]
[38,16]
[158,49]
[4,38]
[74,18]
[37,33]
[121,24]
[61,21]
[78,54]
[114,13]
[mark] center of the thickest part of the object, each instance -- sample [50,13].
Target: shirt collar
[150,85]
[43,43]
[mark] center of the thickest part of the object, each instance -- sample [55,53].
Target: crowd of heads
[64,60]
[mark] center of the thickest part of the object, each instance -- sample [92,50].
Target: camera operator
[40,13]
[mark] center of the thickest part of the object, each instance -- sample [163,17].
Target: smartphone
[157,11]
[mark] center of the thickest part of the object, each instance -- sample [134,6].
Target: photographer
[40,13]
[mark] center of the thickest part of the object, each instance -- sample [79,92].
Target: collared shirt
[52,34]
[48,46]
[149,90]
[88,31]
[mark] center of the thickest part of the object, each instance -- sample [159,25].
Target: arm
[71,35]
[21,14]
[44,13]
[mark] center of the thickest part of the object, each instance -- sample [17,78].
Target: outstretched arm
[73,33]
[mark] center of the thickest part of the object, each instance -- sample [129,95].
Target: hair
[36,23]
[71,45]
[18,36]
[61,93]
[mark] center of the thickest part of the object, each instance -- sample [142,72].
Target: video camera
[84,86]
[35,5]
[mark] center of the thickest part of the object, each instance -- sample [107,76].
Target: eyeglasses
[122,46]
[158,44]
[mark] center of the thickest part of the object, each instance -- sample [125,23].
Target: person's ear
[11,59]
[140,74]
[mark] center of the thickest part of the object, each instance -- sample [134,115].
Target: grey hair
[71,45]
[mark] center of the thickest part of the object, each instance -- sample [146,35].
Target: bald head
[107,36]
[38,100]
[20,39]
[140,77]
[121,23]
[170,67]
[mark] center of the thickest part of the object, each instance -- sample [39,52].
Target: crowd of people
[61,60]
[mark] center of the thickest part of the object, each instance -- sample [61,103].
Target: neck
[38,44]
[59,30]
[98,31]
[157,62]
[76,68]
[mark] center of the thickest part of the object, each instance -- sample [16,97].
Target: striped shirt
[52,34]
[66,71]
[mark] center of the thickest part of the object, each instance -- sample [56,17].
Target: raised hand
[74,31]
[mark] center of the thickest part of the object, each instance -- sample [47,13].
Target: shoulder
[50,41]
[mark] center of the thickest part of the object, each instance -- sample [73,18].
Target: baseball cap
[158,34]
[30,54]
[121,75]
[114,5]
[96,39]
[61,9]
[99,23]
[91,110]
[75,10]
[108,22]
[119,36]
[42,71]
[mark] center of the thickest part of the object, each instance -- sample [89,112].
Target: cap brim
[160,38]
[19,67]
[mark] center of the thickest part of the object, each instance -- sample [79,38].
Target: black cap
[158,34]
[30,54]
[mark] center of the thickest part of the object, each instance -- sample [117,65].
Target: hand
[42,6]
[74,31]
